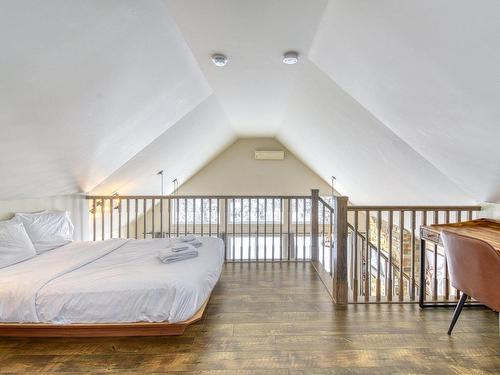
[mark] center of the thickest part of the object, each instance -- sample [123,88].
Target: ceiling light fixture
[219,59]
[291,58]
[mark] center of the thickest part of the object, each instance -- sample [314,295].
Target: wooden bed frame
[99,330]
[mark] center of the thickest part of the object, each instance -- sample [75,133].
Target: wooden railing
[384,252]
[363,254]
[254,228]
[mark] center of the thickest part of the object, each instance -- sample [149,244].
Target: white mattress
[109,281]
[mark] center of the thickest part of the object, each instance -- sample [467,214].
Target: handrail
[414,208]
[116,197]
[325,204]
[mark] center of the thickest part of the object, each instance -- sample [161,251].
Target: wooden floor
[278,319]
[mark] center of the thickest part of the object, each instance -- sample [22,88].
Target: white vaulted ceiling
[85,85]
[428,70]
[397,100]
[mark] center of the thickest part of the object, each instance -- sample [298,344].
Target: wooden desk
[487,230]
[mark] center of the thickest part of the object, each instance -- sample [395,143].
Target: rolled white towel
[167,256]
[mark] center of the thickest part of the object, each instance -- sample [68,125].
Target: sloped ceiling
[84,87]
[337,136]
[430,72]
[398,101]
[180,150]
[254,87]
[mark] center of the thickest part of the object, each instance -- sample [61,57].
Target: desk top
[487,230]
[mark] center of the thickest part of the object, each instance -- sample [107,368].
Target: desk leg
[421,296]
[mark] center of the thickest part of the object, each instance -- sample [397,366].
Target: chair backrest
[474,268]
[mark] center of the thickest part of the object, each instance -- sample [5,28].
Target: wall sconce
[93,210]
[116,200]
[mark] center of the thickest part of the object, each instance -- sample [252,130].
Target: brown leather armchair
[474,268]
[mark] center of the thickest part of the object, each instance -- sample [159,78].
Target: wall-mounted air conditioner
[270,155]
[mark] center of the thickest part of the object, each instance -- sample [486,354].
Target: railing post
[314,224]
[339,256]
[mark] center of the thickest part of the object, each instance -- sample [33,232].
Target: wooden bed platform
[99,330]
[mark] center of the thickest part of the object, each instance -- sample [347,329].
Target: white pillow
[47,229]
[15,245]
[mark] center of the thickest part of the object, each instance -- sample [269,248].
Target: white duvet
[109,281]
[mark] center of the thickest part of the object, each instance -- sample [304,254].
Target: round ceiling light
[219,59]
[291,58]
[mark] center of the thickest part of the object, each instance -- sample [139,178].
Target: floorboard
[278,319]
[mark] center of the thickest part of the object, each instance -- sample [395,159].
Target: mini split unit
[269,155]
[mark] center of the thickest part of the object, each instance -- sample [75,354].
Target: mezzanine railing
[384,252]
[254,228]
[362,254]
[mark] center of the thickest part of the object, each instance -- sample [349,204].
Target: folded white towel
[181,246]
[196,243]
[187,238]
[167,256]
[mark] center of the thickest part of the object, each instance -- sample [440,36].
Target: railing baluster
[153,235]
[136,209]
[435,253]
[161,219]
[102,218]
[128,218]
[401,254]
[202,212]
[367,257]
[111,209]
[272,222]
[388,270]
[249,229]
[94,215]
[226,216]
[296,234]
[257,232]
[169,216]
[265,229]
[288,236]
[413,251]
[119,218]
[355,279]
[144,213]
[185,216]
[304,233]
[210,217]
[447,280]
[194,216]
[281,229]
[234,227]
[379,251]
[218,217]
[242,213]
[176,217]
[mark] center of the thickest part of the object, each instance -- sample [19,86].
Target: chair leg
[457,312]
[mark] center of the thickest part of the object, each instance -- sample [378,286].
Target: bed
[116,287]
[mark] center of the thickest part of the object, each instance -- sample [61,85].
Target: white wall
[490,210]
[76,205]
[235,171]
